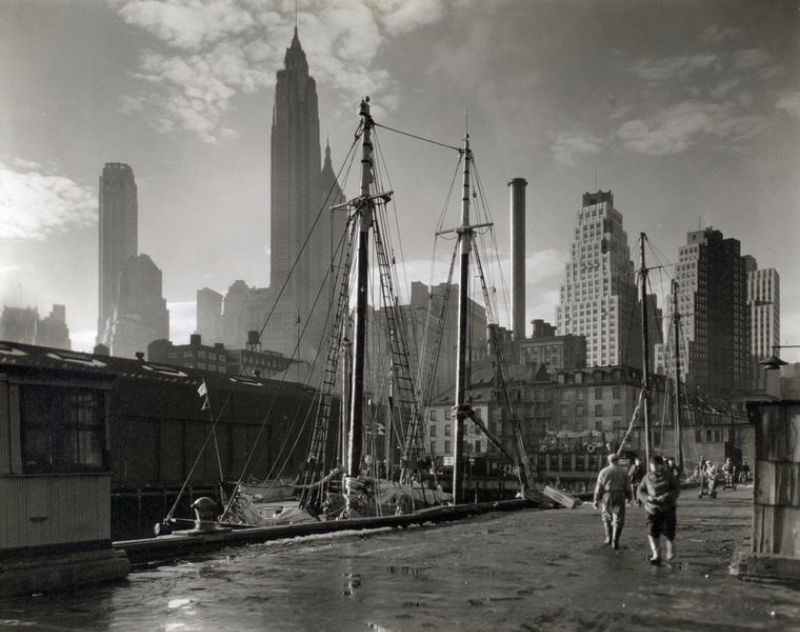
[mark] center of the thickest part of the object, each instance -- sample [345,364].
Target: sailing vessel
[341,479]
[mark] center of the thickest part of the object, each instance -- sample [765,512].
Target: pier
[524,570]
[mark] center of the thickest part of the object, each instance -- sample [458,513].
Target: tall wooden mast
[465,235]
[364,210]
[676,322]
[645,356]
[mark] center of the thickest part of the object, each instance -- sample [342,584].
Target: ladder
[411,432]
[315,465]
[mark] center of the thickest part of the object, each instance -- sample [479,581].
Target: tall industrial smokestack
[517,200]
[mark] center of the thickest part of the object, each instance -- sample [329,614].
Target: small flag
[202,391]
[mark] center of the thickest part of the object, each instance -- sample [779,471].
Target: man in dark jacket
[659,492]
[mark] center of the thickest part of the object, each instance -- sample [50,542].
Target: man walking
[659,491]
[635,475]
[610,493]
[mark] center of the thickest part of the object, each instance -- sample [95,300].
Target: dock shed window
[62,430]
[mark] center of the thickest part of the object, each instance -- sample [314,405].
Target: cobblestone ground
[528,570]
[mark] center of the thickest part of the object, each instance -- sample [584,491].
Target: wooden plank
[764,488]
[787,484]
[14,429]
[46,510]
[5,430]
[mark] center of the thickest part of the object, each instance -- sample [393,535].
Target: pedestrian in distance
[659,491]
[636,473]
[701,477]
[610,495]
[673,467]
[712,474]
[729,473]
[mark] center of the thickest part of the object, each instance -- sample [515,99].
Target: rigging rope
[418,137]
[307,239]
[197,458]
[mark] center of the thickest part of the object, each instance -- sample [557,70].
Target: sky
[688,111]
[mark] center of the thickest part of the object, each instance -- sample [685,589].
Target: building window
[580,410]
[433,430]
[433,447]
[598,410]
[598,393]
[617,392]
[62,430]
[447,430]
[709,436]
[478,446]
[447,447]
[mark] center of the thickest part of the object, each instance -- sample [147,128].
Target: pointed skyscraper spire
[295,58]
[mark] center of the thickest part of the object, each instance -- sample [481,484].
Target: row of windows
[469,447]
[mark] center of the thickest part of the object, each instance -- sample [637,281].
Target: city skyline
[689,114]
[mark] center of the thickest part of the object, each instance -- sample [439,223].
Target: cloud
[716,33]
[672,131]
[749,58]
[723,88]
[675,129]
[569,147]
[210,51]
[790,103]
[677,67]
[34,204]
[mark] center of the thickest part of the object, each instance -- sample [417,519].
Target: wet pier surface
[526,570]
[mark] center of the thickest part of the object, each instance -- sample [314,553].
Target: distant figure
[636,473]
[610,494]
[702,476]
[659,491]
[673,467]
[744,473]
[729,474]
[712,474]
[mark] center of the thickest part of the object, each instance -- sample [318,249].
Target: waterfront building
[432,317]
[24,325]
[215,358]
[118,228]
[209,314]
[19,324]
[529,389]
[764,303]
[140,314]
[55,479]
[598,297]
[145,423]
[715,329]
[194,355]
[550,350]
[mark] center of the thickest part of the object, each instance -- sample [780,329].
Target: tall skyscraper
[299,190]
[22,324]
[118,235]
[140,314]
[764,303]
[712,300]
[598,296]
[295,186]
[300,257]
